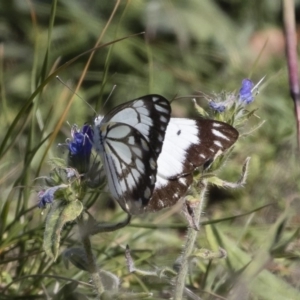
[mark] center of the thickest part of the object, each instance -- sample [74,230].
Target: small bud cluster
[227,101]
[72,174]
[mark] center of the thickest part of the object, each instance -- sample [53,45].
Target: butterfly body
[149,157]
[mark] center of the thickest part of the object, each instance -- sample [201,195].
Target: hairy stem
[92,265]
[189,247]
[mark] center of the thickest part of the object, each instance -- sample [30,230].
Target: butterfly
[149,158]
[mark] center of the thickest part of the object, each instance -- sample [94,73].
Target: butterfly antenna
[255,88]
[69,124]
[59,79]
[112,90]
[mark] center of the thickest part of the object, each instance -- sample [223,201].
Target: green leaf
[77,257]
[216,181]
[57,162]
[200,110]
[60,213]
[108,295]
[68,291]
[257,280]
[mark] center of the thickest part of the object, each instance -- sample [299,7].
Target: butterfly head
[98,120]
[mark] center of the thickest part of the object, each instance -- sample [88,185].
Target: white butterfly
[149,157]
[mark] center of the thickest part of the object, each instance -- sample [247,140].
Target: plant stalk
[189,246]
[292,58]
[92,265]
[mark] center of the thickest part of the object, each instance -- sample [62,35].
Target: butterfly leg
[108,227]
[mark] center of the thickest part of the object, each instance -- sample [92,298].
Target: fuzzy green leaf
[216,181]
[60,213]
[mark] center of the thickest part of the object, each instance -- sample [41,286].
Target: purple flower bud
[82,142]
[70,173]
[219,107]
[80,148]
[46,196]
[245,94]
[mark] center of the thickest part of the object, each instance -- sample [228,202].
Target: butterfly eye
[98,120]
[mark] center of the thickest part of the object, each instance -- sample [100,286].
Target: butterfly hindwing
[188,144]
[168,192]
[129,140]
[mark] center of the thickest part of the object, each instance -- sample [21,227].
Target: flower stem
[189,246]
[92,265]
[292,58]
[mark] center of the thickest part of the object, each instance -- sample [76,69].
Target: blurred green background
[189,48]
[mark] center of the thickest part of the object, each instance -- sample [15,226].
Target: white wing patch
[218,143]
[124,152]
[219,134]
[180,135]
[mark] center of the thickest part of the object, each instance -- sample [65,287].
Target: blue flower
[219,107]
[245,94]
[46,196]
[80,148]
[82,142]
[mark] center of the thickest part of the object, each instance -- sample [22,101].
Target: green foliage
[190,48]
[60,213]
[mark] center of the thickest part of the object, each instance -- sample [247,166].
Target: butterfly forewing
[149,115]
[188,144]
[129,140]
